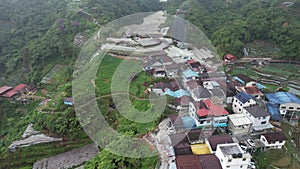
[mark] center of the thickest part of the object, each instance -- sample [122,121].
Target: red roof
[4,89]
[190,61]
[211,109]
[9,93]
[229,57]
[20,87]
[14,91]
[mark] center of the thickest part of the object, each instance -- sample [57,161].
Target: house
[229,58]
[252,90]
[182,102]
[159,71]
[195,136]
[215,140]
[180,144]
[155,62]
[29,89]
[11,93]
[148,42]
[211,85]
[191,85]
[242,100]
[273,109]
[245,80]
[286,103]
[176,122]
[218,93]
[177,94]
[69,101]
[200,93]
[189,74]
[259,118]
[231,156]
[4,89]
[230,88]
[212,76]
[160,87]
[188,162]
[210,161]
[273,140]
[194,65]
[239,124]
[20,88]
[172,70]
[207,114]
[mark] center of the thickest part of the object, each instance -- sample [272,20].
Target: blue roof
[243,97]
[273,109]
[189,73]
[178,93]
[282,97]
[260,86]
[188,123]
[238,79]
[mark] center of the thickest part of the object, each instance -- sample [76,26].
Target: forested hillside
[231,25]
[43,32]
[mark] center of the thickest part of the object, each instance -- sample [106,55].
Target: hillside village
[220,120]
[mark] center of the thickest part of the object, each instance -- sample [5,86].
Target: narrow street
[163,141]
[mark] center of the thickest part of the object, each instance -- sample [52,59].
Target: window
[259,118]
[239,109]
[298,108]
[235,105]
[229,160]
[291,108]
[283,107]
[244,159]
[241,166]
[264,117]
[264,122]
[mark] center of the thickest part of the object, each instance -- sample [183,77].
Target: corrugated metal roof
[257,111]
[282,97]
[4,89]
[188,162]
[188,122]
[243,97]
[273,109]
[189,73]
[260,86]
[178,93]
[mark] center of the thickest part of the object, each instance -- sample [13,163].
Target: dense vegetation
[232,25]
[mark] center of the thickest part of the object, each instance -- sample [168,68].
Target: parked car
[171,130]
[251,165]
[243,147]
[251,142]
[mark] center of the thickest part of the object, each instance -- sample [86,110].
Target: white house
[252,90]
[231,156]
[286,103]
[239,124]
[207,114]
[259,118]
[273,140]
[245,80]
[242,100]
